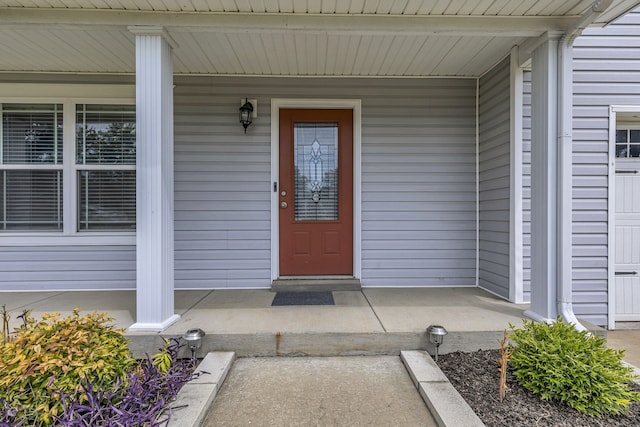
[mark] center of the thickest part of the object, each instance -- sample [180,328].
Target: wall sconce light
[193,337]
[436,336]
[246,114]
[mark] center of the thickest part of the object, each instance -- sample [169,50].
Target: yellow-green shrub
[54,356]
[558,362]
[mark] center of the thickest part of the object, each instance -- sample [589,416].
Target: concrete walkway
[319,391]
[626,337]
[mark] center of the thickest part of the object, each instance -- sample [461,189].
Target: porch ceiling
[399,38]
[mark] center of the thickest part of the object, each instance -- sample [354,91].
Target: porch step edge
[265,344]
[315,285]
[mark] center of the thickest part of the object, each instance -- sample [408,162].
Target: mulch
[475,376]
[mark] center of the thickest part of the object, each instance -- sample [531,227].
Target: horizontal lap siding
[418,188]
[494,180]
[418,171]
[222,185]
[49,268]
[418,185]
[606,67]
[67,267]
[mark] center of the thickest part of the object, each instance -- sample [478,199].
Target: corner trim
[516,286]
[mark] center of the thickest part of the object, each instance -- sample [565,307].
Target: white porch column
[154,180]
[546,184]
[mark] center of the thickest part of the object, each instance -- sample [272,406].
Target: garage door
[627,238]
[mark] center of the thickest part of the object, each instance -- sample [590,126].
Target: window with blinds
[99,185]
[105,163]
[31,182]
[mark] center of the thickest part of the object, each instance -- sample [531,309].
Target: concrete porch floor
[371,321]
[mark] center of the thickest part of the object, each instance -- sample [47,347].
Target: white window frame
[69,95]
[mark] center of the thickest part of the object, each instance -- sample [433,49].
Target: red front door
[316,192]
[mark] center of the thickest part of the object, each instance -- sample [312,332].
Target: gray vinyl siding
[222,185]
[67,267]
[494,179]
[418,179]
[48,268]
[606,67]
[418,188]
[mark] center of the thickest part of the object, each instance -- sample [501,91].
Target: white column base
[153,327]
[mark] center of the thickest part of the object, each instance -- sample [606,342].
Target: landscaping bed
[476,377]
[78,372]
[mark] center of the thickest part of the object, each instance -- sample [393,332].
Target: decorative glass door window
[315,171]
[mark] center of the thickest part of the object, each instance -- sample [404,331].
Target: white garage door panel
[627,193]
[627,298]
[627,246]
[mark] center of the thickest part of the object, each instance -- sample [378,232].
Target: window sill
[60,239]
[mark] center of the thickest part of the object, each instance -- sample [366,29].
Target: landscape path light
[436,336]
[193,337]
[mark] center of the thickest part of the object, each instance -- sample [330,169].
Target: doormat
[303,298]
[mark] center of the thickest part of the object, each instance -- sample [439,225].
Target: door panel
[627,248]
[316,192]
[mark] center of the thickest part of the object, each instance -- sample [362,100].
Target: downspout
[564,292]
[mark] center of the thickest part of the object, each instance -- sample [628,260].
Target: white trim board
[49,92]
[516,291]
[352,104]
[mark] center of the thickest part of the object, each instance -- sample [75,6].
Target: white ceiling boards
[388,38]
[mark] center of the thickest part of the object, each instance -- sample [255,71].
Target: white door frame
[351,104]
[611,265]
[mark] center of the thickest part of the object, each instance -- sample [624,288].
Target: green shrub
[53,356]
[558,362]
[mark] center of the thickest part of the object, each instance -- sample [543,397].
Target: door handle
[626,273]
[283,205]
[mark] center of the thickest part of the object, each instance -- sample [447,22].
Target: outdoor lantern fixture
[193,337]
[246,113]
[436,336]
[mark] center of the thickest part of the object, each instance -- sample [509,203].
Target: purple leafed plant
[7,416]
[143,400]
